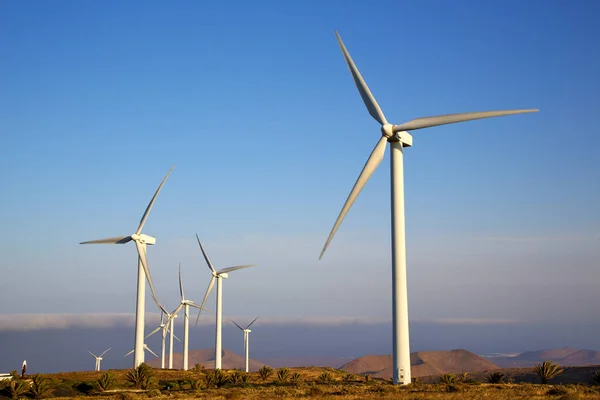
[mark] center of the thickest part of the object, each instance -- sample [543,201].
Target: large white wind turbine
[141,241]
[164,327]
[398,137]
[218,276]
[98,358]
[246,331]
[185,304]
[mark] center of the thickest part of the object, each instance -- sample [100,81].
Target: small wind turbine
[398,137]
[164,326]
[219,276]
[145,348]
[185,304]
[246,331]
[141,241]
[98,358]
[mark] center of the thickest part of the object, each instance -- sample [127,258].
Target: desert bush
[198,368]
[547,370]
[494,377]
[141,377]
[463,377]
[295,377]
[348,378]
[283,374]
[557,390]
[17,388]
[451,388]
[154,393]
[216,378]
[40,386]
[239,378]
[448,379]
[106,381]
[194,384]
[367,377]
[596,377]
[265,373]
[325,377]
[15,374]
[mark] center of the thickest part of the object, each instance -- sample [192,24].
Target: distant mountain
[423,363]
[206,358]
[566,356]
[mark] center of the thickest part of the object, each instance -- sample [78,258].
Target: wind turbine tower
[246,331]
[98,358]
[399,138]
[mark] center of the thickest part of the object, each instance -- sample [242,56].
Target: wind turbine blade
[142,255]
[112,240]
[179,340]
[371,165]
[131,352]
[153,332]
[93,355]
[105,351]
[427,122]
[205,256]
[149,350]
[179,307]
[145,216]
[237,325]
[363,89]
[197,306]
[231,269]
[181,284]
[210,286]
[251,322]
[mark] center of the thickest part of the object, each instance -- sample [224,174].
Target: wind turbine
[145,348]
[141,241]
[398,137]
[164,326]
[98,358]
[185,304]
[218,276]
[246,331]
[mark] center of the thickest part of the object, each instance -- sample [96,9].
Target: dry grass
[309,388]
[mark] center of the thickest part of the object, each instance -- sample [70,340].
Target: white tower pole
[246,339]
[218,327]
[97,365]
[401,343]
[164,339]
[171,345]
[140,309]
[186,327]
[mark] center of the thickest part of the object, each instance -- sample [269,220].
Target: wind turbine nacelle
[224,275]
[248,330]
[403,137]
[149,240]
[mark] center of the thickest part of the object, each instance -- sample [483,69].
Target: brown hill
[546,354]
[206,358]
[566,356]
[423,363]
[581,357]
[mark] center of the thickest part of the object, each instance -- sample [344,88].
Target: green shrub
[494,377]
[239,378]
[141,377]
[198,368]
[596,377]
[15,374]
[283,374]
[348,378]
[17,388]
[107,381]
[295,377]
[448,379]
[40,386]
[265,373]
[547,370]
[325,377]
[216,378]
[367,377]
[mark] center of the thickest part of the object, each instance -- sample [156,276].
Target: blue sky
[255,105]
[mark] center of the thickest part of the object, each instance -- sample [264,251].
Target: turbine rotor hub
[387,130]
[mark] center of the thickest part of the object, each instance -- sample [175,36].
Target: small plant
[448,379]
[295,377]
[15,374]
[547,370]
[141,377]
[283,374]
[198,368]
[17,388]
[348,378]
[596,377]
[367,378]
[106,381]
[265,373]
[325,377]
[40,386]
[557,390]
[463,377]
[239,378]
[216,378]
[494,377]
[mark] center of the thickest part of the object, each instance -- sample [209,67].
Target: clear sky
[255,105]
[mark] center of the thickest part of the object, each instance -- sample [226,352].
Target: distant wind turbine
[398,137]
[98,358]
[185,304]
[140,241]
[246,331]
[164,327]
[218,276]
